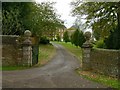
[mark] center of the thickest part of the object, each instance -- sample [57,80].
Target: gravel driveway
[58,73]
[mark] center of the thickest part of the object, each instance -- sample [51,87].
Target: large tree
[102,16]
[38,18]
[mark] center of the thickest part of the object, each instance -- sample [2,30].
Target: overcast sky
[63,8]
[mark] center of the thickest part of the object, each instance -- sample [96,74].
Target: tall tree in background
[38,18]
[101,16]
[81,38]
[77,38]
[66,37]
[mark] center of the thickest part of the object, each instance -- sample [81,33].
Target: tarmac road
[58,73]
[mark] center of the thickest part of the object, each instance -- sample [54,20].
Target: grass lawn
[9,68]
[76,51]
[46,52]
[105,80]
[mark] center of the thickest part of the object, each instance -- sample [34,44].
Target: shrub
[113,41]
[66,37]
[81,38]
[77,38]
[44,40]
[100,44]
[58,38]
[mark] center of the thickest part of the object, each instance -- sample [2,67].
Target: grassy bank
[105,80]
[46,52]
[10,68]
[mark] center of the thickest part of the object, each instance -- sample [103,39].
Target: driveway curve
[58,73]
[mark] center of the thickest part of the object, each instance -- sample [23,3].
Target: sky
[63,8]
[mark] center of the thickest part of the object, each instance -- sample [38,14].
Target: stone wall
[17,50]
[11,52]
[105,61]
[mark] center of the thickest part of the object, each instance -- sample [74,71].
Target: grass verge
[105,80]
[46,52]
[10,68]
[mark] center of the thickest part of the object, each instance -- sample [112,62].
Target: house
[60,33]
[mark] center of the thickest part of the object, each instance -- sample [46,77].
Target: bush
[44,40]
[100,44]
[113,41]
[58,38]
[77,38]
[66,37]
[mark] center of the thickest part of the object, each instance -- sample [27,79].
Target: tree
[58,38]
[81,39]
[11,23]
[101,16]
[71,38]
[75,37]
[112,42]
[66,37]
[38,18]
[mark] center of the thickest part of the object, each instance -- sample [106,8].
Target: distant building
[71,30]
[60,33]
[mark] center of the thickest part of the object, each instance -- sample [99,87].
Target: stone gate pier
[86,49]
[27,49]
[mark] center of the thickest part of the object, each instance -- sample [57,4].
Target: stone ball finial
[27,33]
[87,35]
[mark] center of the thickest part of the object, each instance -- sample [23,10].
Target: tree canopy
[38,18]
[102,16]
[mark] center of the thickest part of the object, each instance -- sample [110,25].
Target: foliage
[11,18]
[44,40]
[77,38]
[58,38]
[82,39]
[71,38]
[102,16]
[100,43]
[66,37]
[38,18]
[112,42]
